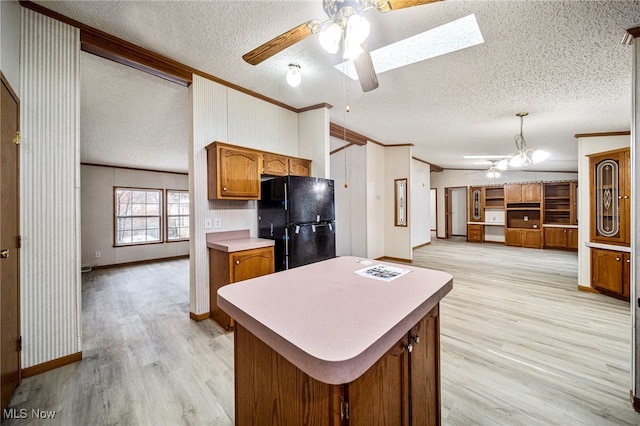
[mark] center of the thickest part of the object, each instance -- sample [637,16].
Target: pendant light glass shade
[294,76]
[330,38]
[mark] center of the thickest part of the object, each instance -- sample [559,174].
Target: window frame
[160,216]
[167,215]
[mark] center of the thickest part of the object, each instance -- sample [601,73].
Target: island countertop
[330,322]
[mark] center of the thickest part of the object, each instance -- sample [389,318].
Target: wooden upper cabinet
[280,165]
[523,193]
[276,165]
[610,197]
[233,173]
[299,167]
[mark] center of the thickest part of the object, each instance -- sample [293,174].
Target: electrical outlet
[217,223]
[98,254]
[207,223]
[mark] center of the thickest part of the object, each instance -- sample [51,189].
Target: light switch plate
[207,223]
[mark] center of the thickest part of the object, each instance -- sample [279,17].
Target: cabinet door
[251,263]
[513,237]
[607,270]
[531,193]
[239,174]
[476,207]
[626,276]
[572,239]
[380,395]
[609,174]
[532,238]
[299,167]
[513,193]
[424,359]
[555,237]
[276,165]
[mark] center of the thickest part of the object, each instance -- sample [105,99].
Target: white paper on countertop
[382,272]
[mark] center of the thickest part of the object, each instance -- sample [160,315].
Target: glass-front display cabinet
[610,200]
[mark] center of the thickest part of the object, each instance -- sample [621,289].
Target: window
[177,215]
[137,216]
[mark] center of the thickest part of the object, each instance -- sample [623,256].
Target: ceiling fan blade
[387,5]
[364,69]
[281,42]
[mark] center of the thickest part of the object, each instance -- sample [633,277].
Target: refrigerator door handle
[286,201]
[286,248]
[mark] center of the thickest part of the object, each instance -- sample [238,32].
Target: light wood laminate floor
[519,346]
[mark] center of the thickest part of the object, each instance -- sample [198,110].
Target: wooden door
[607,270]
[380,395]
[572,238]
[555,237]
[9,244]
[513,193]
[248,264]
[239,174]
[424,371]
[531,238]
[531,193]
[513,237]
[448,213]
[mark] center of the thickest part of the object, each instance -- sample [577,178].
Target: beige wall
[420,203]
[97,185]
[375,200]
[10,42]
[397,239]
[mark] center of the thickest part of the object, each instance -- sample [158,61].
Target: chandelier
[525,156]
[348,27]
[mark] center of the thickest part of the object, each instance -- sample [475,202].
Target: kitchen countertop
[330,322]
[232,241]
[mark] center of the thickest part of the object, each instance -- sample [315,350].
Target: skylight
[447,38]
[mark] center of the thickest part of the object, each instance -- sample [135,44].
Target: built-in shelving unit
[494,197]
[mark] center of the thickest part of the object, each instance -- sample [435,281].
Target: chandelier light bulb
[330,38]
[351,49]
[294,76]
[517,160]
[539,156]
[502,164]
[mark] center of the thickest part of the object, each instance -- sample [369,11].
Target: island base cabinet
[401,388]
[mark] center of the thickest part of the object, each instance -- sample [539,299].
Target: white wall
[587,146]
[376,200]
[50,291]
[10,42]
[432,209]
[421,203]
[351,218]
[313,137]
[397,239]
[453,178]
[97,185]
[219,113]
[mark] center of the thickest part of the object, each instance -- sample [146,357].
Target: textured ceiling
[561,61]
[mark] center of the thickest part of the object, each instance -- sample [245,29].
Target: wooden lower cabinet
[530,238]
[226,268]
[475,233]
[401,388]
[561,238]
[611,271]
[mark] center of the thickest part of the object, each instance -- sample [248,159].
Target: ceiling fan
[346,28]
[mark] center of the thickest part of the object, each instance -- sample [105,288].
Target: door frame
[5,116]
[448,212]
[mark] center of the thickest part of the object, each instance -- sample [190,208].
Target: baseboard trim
[141,262]
[588,289]
[395,259]
[199,317]
[421,245]
[51,365]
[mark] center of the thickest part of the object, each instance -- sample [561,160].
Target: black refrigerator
[298,212]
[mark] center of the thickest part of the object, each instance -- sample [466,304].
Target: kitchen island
[322,345]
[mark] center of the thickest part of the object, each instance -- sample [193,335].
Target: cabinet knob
[416,339]
[224,188]
[409,347]
[618,259]
[626,197]
[628,260]
[237,262]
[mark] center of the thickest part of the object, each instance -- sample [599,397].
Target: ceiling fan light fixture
[357,29]
[330,37]
[294,76]
[351,50]
[493,174]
